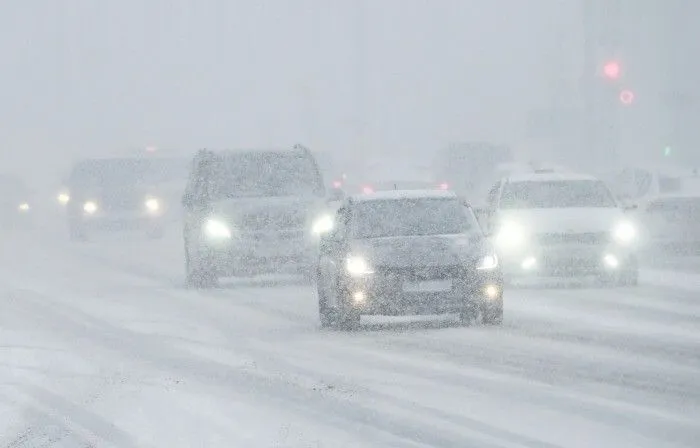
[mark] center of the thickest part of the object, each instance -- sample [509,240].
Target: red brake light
[367,190]
[337,184]
[444,186]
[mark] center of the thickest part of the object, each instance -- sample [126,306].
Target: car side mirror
[483,216]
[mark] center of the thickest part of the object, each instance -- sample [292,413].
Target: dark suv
[251,212]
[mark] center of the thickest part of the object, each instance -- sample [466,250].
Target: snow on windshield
[556,194]
[412,217]
[268,174]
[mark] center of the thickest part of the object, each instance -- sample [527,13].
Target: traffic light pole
[601,108]
[588,79]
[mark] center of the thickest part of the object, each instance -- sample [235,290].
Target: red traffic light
[612,70]
[627,97]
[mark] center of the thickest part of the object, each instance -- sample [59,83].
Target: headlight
[324,224]
[216,229]
[357,266]
[510,236]
[152,205]
[89,207]
[488,262]
[63,198]
[625,233]
[23,207]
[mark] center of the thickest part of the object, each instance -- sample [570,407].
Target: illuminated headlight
[510,236]
[152,205]
[357,266]
[324,224]
[217,230]
[63,198]
[625,233]
[23,207]
[488,262]
[89,207]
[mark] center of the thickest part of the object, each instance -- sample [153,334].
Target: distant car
[671,222]
[388,185]
[407,252]
[554,224]
[253,211]
[16,202]
[128,193]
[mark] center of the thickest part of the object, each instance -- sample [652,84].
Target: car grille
[422,273]
[126,202]
[592,238]
[273,221]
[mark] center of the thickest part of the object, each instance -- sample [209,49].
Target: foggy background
[84,77]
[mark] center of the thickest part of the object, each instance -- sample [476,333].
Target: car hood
[420,251]
[564,220]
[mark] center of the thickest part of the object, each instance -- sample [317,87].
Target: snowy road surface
[101,346]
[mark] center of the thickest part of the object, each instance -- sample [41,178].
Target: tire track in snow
[221,378]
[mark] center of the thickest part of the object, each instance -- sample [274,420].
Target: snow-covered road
[100,345]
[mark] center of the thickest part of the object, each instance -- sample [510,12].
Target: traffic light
[667,151]
[612,70]
[626,97]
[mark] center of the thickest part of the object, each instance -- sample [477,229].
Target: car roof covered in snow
[548,176]
[390,195]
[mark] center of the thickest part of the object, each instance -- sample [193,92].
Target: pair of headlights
[358,266]
[512,235]
[151,204]
[218,229]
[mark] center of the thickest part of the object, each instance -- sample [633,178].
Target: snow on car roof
[548,177]
[403,194]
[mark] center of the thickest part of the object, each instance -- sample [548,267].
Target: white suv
[552,224]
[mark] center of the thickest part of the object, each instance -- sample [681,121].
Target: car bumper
[567,261]
[379,294]
[253,253]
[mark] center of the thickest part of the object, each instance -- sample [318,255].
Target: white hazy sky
[92,77]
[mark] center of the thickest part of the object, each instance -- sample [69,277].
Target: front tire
[156,233]
[492,316]
[77,232]
[629,278]
[199,275]
[344,317]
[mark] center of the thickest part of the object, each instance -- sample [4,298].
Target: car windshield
[271,174]
[556,194]
[123,172]
[412,217]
